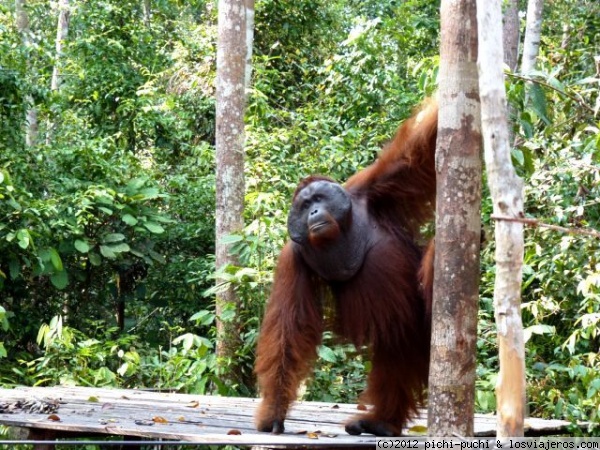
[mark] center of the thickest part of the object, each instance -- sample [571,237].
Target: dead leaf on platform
[312,436]
[54,418]
[330,435]
[417,430]
[361,407]
[93,399]
[234,432]
[300,432]
[158,419]
[335,407]
[193,404]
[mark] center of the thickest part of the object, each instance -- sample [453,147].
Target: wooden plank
[201,419]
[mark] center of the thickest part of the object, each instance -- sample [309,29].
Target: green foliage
[340,373]
[72,358]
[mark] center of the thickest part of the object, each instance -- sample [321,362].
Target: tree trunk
[147,12]
[506,189]
[31,120]
[510,39]
[533,30]
[458,227]
[62,32]
[511,34]
[231,65]
[249,42]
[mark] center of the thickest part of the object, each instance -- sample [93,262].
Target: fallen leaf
[330,435]
[361,407]
[335,407]
[193,404]
[234,432]
[54,418]
[301,432]
[418,430]
[158,419]
[312,436]
[93,398]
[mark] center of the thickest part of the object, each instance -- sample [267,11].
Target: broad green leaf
[112,237]
[24,238]
[107,252]
[129,219]
[95,259]
[56,261]
[60,280]
[231,239]
[149,193]
[3,353]
[154,227]
[135,185]
[82,246]
[157,256]
[14,268]
[203,317]
[120,248]
[327,354]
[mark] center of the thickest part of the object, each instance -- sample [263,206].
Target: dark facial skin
[318,212]
[325,223]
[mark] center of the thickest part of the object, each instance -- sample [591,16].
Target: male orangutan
[358,244]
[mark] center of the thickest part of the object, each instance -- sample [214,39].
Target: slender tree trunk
[506,189]
[62,32]
[511,34]
[458,227]
[510,38]
[147,11]
[231,65]
[533,31]
[249,42]
[31,120]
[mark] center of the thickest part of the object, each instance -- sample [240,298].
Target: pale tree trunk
[249,42]
[147,11]
[506,189]
[511,34]
[231,66]
[31,120]
[458,227]
[62,32]
[533,30]
[510,39]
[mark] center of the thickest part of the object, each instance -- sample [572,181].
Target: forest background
[107,209]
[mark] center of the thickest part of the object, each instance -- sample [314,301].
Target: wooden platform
[79,411]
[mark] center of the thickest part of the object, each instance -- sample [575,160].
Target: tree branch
[536,223]
[577,100]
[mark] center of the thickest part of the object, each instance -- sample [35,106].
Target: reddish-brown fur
[386,305]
